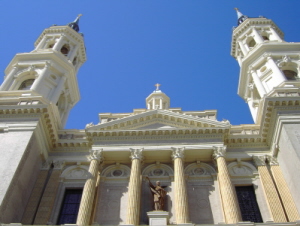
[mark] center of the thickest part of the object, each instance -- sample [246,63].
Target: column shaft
[134,192]
[86,203]
[181,199]
[285,194]
[228,194]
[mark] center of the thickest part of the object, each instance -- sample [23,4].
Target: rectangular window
[248,204]
[70,206]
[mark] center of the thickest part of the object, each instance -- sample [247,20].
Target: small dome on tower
[75,23]
[240,16]
[157,100]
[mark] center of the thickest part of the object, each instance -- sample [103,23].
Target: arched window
[26,85]
[290,74]
[265,38]
[251,43]
[65,50]
[50,45]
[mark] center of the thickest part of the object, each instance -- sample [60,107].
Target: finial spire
[157,86]
[240,16]
[75,23]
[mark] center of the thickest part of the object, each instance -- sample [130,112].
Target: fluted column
[284,192]
[181,198]
[134,190]
[270,190]
[86,203]
[228,194]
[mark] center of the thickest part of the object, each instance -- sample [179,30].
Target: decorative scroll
[178,153]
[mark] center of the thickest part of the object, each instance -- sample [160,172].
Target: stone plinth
[156,218]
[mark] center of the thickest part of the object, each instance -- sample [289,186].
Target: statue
[158,195]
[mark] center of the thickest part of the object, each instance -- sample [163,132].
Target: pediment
[158,120]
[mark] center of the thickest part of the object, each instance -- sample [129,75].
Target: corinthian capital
[219,152]
[272,161]
[136,153]
[259,160]
[96,154]
[177,153]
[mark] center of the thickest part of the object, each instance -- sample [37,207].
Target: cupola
[157,100]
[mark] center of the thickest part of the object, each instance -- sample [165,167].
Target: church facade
[209,171]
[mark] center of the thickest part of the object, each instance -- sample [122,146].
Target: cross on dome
[157,86]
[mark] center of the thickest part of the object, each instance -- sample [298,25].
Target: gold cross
[157,86]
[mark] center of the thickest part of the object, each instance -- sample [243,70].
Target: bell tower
[48,73]
[269,65]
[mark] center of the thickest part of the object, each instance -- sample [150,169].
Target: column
[8,79]
[58,89]
[284,192]
[243,48]
[36,194]
[181,199]
[59,43]
[270,190]
[276,70]
[88,194]
[275,34]
[134,190]
[260,88]
[153,104]
[47,201]
[40,77]
[257,36]
[231,207]
[160,104]
[74,51]
[41,43]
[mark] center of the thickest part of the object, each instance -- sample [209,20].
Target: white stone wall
[289,158]
[19,165]
[112,203]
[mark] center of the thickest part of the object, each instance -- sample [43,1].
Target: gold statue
[158,195]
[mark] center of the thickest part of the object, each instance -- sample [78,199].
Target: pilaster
[270,190]
[47,201]
[284,192]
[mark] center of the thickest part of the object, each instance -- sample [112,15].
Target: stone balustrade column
[284,192]
[134,190]
[230,203]
[88,194]
[59,43]
[270,190]
[260,88]
[181,198]
[257,37]
[49,195]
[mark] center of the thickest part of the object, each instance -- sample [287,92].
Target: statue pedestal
[158,218]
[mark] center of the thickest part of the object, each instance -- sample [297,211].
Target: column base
[158,218]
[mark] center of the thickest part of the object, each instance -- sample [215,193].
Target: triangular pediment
[158,120]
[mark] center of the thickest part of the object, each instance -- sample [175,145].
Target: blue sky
[134,44]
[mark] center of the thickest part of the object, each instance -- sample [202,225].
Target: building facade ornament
[136,153]
[219,152]
[59,164]
[259,160]
[96,154]
[177,153]
[272,161]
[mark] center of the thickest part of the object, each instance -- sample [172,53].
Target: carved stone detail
[259,160]
[59,164]
[96,155]
[272,161]
[177,153]
[219,152]
[136,153]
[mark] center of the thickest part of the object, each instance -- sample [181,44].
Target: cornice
[146,118]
